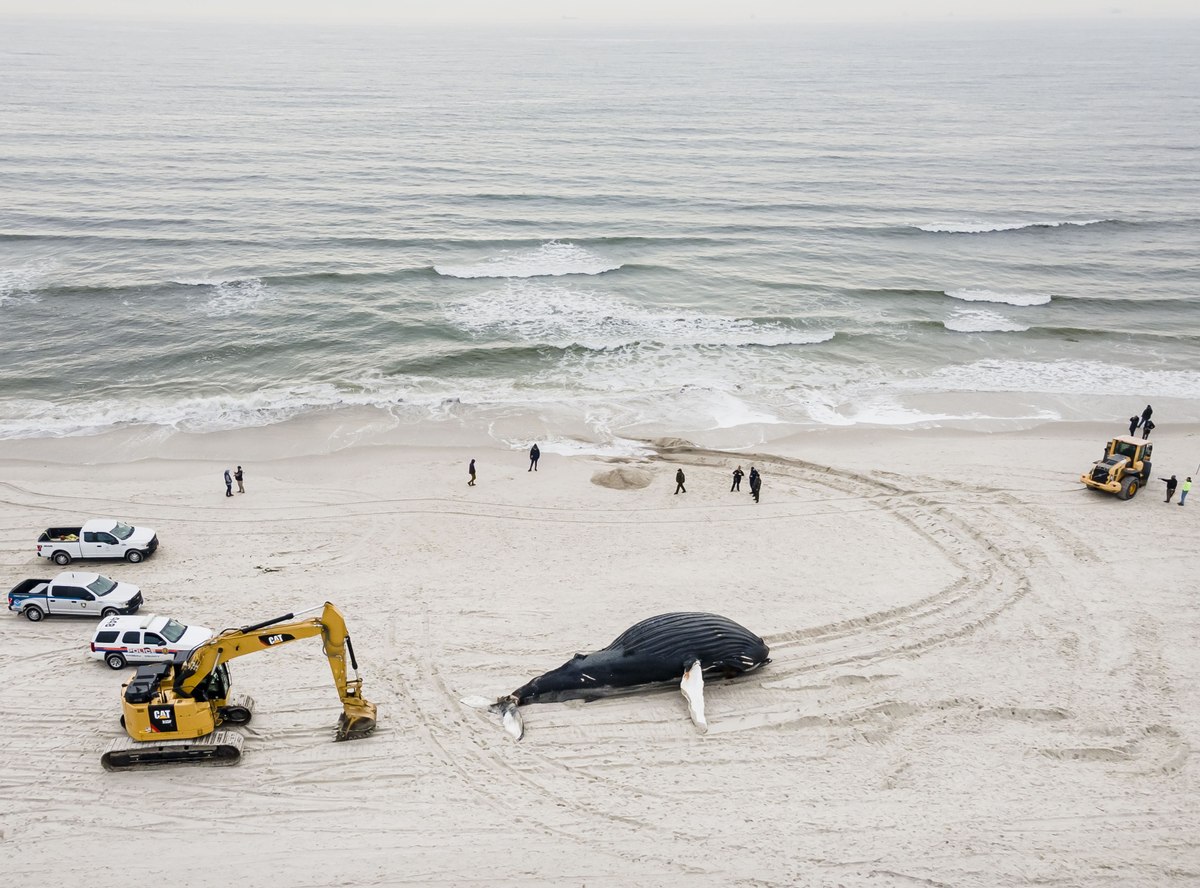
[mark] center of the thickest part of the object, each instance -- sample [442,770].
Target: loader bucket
[357,720]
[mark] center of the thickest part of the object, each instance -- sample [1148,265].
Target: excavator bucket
[357,720]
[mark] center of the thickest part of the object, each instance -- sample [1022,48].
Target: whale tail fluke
[510,716]
[692,687]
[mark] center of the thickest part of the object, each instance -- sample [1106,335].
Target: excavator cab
[1124,469]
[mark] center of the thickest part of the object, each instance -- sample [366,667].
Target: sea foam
[230,296]
[969,321]
[19,283]
[550,314]
[1059,377]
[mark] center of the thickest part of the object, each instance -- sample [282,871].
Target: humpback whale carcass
[681,647]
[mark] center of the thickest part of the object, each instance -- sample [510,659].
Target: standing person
[534,456]
[1134,421]
[1147,428]
[756,485]
[471,472]
[1146,414]
[679,482]
[1172,483]
[237,476]
[737,479]
[228,483]
[1187,485]
[753,478]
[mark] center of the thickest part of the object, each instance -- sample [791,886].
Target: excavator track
[218,748]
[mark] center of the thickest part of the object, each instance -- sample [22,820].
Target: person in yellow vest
[1184,488]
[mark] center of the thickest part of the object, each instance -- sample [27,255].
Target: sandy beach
[982,674]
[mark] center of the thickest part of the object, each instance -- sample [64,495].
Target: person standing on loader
[1172,483]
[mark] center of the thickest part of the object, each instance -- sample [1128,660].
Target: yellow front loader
[1124,469]
[173,711]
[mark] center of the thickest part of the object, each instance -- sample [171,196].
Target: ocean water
[601,235]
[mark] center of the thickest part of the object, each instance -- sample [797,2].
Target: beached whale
[681,647]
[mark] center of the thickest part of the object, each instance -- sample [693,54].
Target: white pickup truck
[98,538]
[74,594]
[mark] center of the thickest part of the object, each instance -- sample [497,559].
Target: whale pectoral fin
[510,717]
[692,687]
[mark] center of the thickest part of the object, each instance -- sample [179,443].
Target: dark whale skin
[654,651]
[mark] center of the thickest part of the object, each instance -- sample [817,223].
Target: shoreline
[342,431]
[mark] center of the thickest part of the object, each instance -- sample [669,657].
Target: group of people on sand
[230,478]
[1173,483]
[738,474]
[1146,423]
[755,481]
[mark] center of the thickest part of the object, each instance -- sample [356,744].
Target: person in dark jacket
[737,479]
[755,484]
[1147,428]
[238,476]
[471,472]
[1134,422]
[228,483]
[534,456]
[1172,483]
[679,488]
[1146,414]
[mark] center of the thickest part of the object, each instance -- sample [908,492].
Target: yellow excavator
[172,711]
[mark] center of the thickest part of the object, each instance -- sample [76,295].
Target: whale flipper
[510,717]
[692,687]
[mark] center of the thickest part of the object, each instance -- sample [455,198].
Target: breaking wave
[973,294]
[982,227]
[551,259]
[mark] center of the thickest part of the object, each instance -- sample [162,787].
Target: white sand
[982,674]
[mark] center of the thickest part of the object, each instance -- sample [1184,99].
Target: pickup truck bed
[60,535]
[26,588]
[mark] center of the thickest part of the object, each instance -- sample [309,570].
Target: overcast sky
[630,12]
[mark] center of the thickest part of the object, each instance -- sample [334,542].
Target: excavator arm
[358,715]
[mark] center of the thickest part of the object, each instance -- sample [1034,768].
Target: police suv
[144,639]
